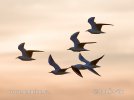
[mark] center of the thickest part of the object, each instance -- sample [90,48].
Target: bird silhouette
[58,70]
[78,47]
[95,27]
[26,54]
[90,65]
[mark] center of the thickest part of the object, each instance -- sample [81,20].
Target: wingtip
[80,55]
[77,71]
[102,56]
[99,75]
[91,42]
[77,32]
[50,56]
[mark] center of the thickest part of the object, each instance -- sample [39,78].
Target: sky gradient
[47,25]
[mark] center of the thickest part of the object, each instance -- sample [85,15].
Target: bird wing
[30,52]
[22,49]
[64,69]
[92,23]
[92,70]
[52,63]
[94,62]
[99,25]
[81,45]
[81,58]
[74,38]
[77,71]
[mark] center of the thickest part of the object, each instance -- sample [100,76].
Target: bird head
[87,30]
[17,57]
[70,48]
[51,72]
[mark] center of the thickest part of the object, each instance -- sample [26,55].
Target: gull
[95,27]
[58,70]
[26,54]
[78,47]
[90,65]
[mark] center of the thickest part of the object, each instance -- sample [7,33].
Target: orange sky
[43,24]
[47,25]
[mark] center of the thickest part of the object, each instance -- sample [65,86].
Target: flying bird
[58,70]
[26,54]
[78,47]
[90,65]
[95,27]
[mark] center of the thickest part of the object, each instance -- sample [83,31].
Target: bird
[90,65]
[78,47]
[58,70]
[26,54]
[95,27]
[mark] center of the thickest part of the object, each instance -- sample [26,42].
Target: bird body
[74,49]
[79,66]
[25,58]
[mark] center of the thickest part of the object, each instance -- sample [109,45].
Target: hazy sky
[47,25]
[44,24]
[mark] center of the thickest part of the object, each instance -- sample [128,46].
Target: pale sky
[47,25]
[44,24]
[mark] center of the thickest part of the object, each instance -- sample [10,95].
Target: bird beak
[16,57]
[50,72]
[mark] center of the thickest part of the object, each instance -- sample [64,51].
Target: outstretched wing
[74,38]
[99,26]
[22,49]
[52,63]
[94,62]
[76,71]
[92,70]
[30,52]
[81,58]
[92,23]
[81,45]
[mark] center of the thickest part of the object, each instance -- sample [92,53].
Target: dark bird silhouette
[26,54]
[78,47]
[95,27]
[90,65]
[58,70]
